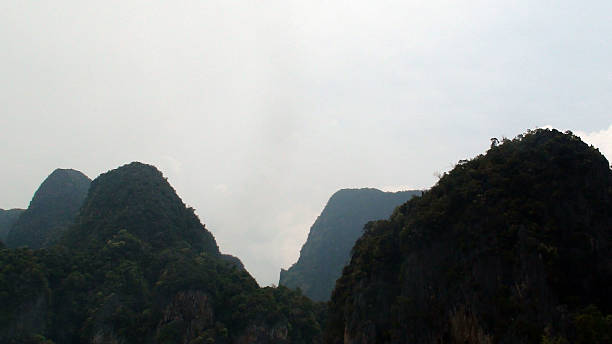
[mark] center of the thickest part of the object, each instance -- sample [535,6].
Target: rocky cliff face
[7,220]
[510,247]
[327,249]
[262,334]
[31,318]
[192,311]
[52,209]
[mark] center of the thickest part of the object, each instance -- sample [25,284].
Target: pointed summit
[52,209]
[137,198]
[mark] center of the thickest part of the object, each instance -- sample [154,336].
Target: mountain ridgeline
[513,246]
[7,220]
[509,247]
[327,249]
[52,210]
[137,266]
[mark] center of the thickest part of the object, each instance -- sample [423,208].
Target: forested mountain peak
[51,211]
[139,267]
[331,237]
[137,198]
[512,246]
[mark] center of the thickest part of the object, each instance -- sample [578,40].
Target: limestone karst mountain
[137,266]
[328,247]
[513,246]
[52,209]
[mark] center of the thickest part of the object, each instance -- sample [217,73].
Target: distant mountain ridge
[52,209]
[331,237]
[7,220]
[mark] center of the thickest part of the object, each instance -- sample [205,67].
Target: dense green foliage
[139,267]
[514,246]
[327,249]
[7,220]
[510,247]
[136,197]
[52,209]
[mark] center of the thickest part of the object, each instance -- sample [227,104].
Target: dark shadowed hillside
[7,220]
[327,249]
[138,199]
[510,247]
[52,209]
[139,267]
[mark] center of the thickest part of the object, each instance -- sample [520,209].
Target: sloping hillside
[510,247]
[331,237]
[139,267]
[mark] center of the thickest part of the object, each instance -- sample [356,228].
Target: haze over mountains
[266,108]
[52,209]
[512,246]
[331,237]
[257,112]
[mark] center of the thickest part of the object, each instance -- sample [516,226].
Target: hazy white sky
[257,111]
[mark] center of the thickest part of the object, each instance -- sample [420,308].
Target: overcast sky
[257,111]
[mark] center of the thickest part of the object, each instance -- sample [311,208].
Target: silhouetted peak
[59,184]
[53,208]
[331,237]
